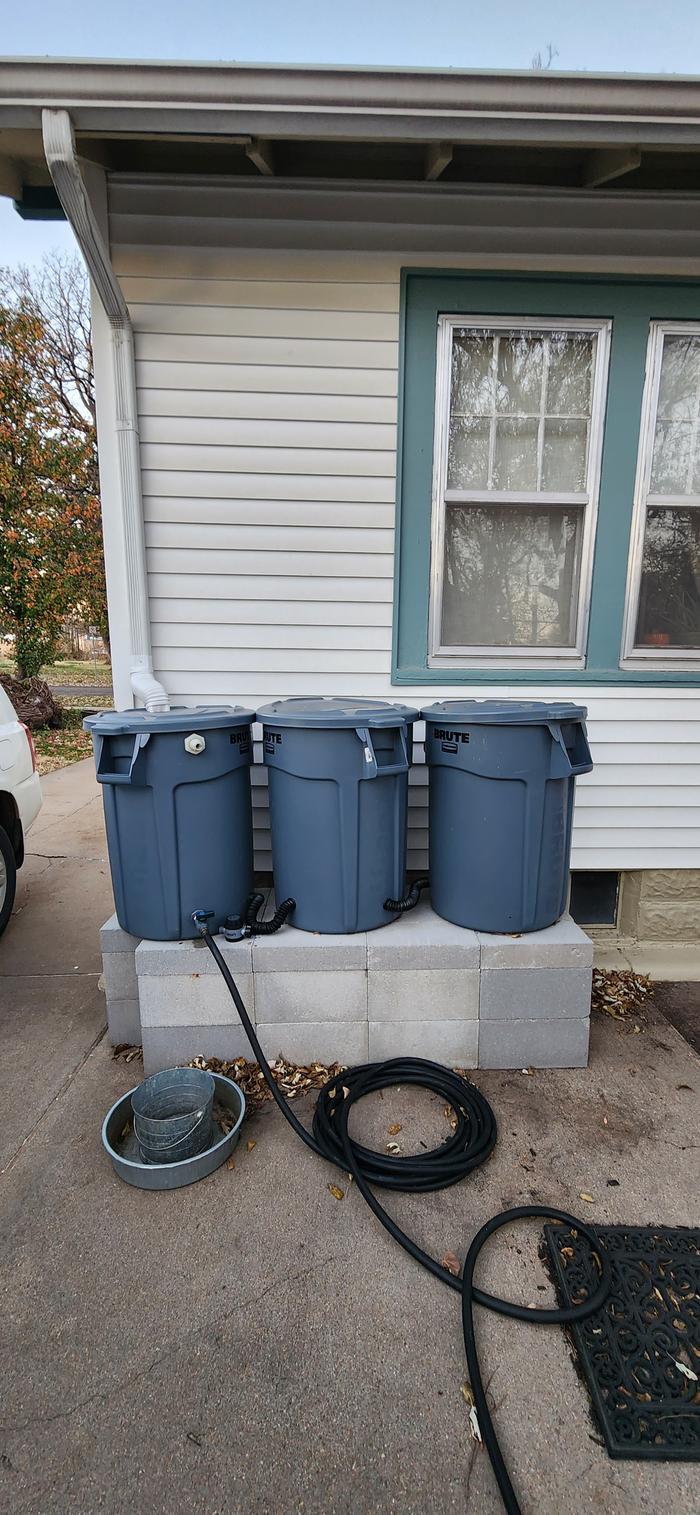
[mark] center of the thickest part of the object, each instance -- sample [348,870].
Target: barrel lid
[178,718]
[332,711]
[489,712]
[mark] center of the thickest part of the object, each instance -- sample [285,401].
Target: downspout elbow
[146,687]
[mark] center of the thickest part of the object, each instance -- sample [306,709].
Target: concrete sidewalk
[253,1345]
[51,1010]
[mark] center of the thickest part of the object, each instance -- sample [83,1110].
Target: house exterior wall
[267,347]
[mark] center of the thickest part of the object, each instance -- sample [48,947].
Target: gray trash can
[338,777]
[176,791]
[501,804]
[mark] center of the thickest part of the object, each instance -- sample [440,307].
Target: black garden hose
[470,1144]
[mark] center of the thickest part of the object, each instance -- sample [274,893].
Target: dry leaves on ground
[619,993]
[292,1079]
[127,1053]
[450,1262]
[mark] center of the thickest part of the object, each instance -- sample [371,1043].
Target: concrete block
[563,945]
[172,1046]
[533,1043]
[422,939]
[113,939]
[444,994]
[292,951]
[176,958]
[445,1041]
[535,993]
[308,1041]
[123,1021]
[119,974]
[327,996]
[192,1000]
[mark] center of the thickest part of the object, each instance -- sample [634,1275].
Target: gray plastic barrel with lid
[176,791]
[338,778]
[502,776]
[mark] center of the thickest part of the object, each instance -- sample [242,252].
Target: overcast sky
[640,36]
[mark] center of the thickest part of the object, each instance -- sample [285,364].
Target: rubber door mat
[640,1354]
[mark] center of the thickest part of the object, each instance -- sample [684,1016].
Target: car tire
[8,879]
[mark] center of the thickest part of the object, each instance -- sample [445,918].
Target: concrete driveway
[251,1344]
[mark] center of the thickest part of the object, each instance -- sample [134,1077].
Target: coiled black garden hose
[470,1144]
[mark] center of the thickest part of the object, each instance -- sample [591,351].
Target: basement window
[593,899]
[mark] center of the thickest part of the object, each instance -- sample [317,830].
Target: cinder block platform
[420,986]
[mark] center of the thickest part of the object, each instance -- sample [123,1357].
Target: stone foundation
[420,987]
[660,905]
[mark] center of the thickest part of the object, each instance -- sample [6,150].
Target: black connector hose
[469,1146]
[266,928]
[399,907]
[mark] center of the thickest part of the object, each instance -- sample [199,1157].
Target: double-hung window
[516,464]
[662,624]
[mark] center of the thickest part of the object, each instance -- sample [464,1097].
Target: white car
[20,800]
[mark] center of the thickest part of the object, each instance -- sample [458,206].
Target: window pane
[515,455]
[473,373]
[520,371]
[669,598]
[564,456]
[468,458]
[511,576]
[570,373]
[676,458]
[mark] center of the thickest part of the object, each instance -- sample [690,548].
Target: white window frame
[522,657]
[663,658]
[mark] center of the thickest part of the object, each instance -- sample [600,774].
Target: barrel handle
[580,762]
[372,768]
[104,776]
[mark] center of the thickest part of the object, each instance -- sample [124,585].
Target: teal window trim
[630,304]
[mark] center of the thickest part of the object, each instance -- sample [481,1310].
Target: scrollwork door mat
[640,1354]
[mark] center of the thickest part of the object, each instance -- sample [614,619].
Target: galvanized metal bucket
[172,1113]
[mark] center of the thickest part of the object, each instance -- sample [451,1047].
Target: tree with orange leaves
[51,557]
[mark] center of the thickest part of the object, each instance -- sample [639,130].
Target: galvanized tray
[124,1153]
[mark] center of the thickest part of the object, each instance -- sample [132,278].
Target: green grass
[69,671]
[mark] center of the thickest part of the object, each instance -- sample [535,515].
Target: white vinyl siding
[267,384]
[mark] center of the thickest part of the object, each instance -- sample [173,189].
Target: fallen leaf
[231,1163]
[468,1397]
[337,1192]
[394,1130]
[249,1145]
[587,1197]
[687,1371]
[450,1262]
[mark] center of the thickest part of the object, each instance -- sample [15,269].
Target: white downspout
[61,157]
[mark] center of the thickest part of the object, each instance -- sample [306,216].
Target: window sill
[526,662]
[662,660]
